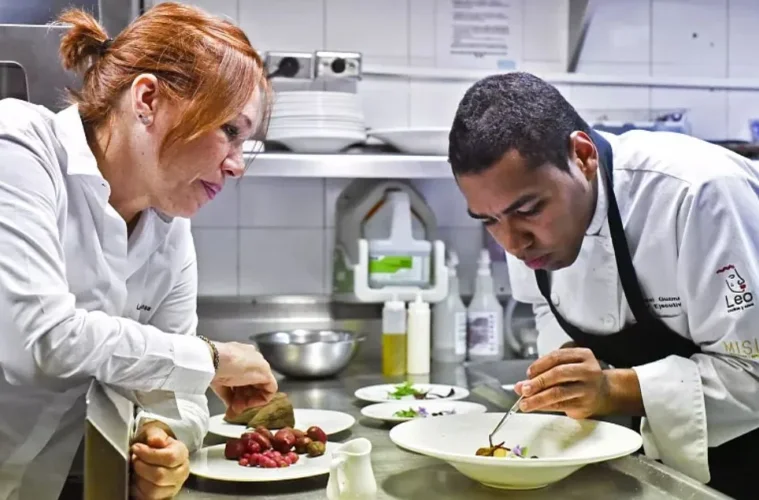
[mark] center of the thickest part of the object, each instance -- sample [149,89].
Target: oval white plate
[209,463]
[380,393]
[562,445]
[386,411]
[331,422]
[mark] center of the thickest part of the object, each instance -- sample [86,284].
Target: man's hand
[160,463]
[570,380]
[244,378]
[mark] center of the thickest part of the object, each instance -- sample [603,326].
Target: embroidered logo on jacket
[143,307]
[738,296]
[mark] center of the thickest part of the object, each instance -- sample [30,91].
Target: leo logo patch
[738,296]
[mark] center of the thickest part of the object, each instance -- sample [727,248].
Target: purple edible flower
[422,412]
[517,450]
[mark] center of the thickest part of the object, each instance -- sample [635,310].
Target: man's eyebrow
[519,203]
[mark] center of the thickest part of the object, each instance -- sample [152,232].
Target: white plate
[380,393]
[415,141]
[209,463]
[302,140]
[331,422]
[562,445]
[386,411]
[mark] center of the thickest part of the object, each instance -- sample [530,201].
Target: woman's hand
[570,380]
[160,463]
[244,378]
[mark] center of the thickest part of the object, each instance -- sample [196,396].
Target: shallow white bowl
[386,411]
[563,446]
[415,141]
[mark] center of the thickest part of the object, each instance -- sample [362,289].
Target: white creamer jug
[351,476]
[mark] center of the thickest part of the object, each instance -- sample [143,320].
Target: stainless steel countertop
[408,476]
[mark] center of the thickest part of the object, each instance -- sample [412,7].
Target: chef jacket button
[608,321]
[555,298]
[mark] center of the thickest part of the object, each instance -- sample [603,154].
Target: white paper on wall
[479,34]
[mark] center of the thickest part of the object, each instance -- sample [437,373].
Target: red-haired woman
[98,276]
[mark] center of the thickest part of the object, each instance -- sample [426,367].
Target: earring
[144,119]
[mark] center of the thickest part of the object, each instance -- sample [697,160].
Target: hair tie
[105,46]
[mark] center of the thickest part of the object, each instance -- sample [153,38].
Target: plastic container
[400,260]
[418,337]
[485,316]
[449,323]
[394,338]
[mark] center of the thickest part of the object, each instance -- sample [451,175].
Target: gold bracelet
[214,350]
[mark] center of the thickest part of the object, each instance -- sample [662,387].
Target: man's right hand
[244,378]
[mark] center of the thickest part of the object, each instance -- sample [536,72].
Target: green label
[390,264]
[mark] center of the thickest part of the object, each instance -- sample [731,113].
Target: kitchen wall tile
[217,261]
[222,8]
[446,202]
[742,106]
[708,109]
[284,24]
[467,243]
[743,37]
[327,266]
[434,103]
[422,15]
[545,31]
[591,101]
[282,202]
[542,68]
[610,68]
[366,26]
[619,32]
[689,70]
[332,189]
[222,211]
[385,101]
[281,261]
[690,32]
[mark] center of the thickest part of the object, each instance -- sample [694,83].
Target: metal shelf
[349,165]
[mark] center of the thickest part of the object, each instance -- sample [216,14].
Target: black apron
[732,464]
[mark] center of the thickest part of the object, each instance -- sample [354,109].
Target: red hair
[204,64]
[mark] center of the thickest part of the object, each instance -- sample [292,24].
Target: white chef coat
[691,216]
[80,301]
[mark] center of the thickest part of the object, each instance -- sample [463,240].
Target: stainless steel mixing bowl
[308,353]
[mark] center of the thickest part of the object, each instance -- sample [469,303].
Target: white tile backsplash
[620,32]
[284,24]
[281,261]
[217,252]
[269,235]
[273,202]
[367,26]
[691,33]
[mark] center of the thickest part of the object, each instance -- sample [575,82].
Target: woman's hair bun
[82,42]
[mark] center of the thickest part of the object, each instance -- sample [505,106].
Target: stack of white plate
[317,121]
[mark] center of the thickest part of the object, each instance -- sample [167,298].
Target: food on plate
[501,451]
[316,434]
[259,448]
[421,412]
[407,389]
[316,449]
[276,414]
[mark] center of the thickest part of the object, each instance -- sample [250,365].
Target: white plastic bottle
[418,337]
[485,316]
[449,323]
[394,338]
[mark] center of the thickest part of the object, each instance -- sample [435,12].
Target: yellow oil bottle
[394,338]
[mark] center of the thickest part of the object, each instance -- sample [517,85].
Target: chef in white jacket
[638,251]
[98,275]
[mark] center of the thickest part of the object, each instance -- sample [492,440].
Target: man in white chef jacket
[640,255]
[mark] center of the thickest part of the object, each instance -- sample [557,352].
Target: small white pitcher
[351,476]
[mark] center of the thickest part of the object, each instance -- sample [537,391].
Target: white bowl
[387,411]
[315,140]
[415,141]
[562,445]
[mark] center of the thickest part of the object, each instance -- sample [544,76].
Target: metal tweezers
[509,413]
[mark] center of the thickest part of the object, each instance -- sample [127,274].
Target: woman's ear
[144,94]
